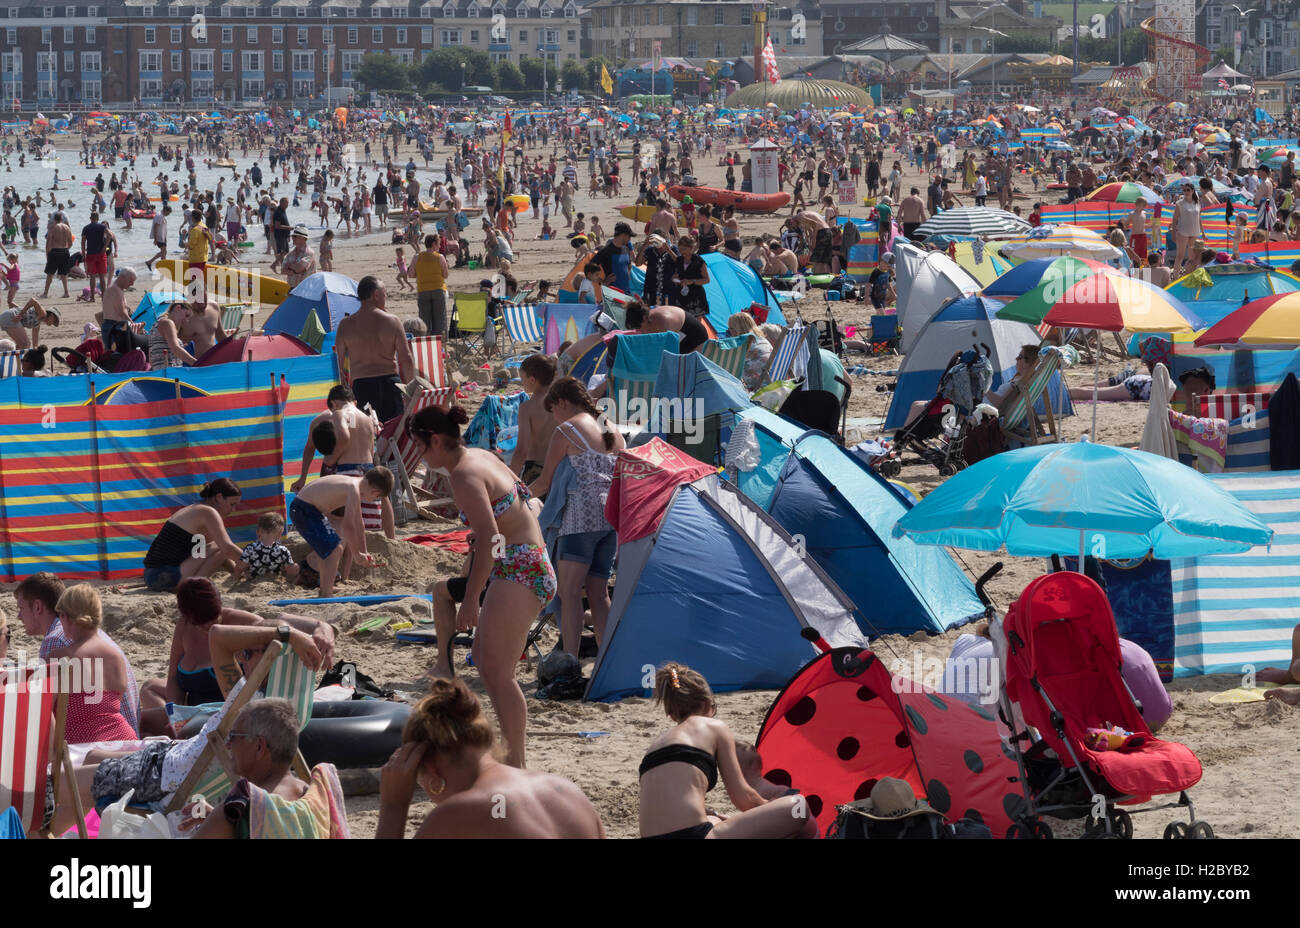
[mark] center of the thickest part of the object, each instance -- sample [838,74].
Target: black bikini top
[682,754]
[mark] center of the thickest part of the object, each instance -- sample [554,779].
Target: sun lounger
[29,712]
[1233,405]
[635,369]
[1020,423]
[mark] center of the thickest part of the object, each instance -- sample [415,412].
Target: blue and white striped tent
[1230,610]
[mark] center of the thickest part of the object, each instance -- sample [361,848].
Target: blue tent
[1262,115]
[722,588]
[146,390]
[331,296]
[694,377]
[154,304]
[846,512]
[732,287]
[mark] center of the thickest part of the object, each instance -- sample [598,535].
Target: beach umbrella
[1025,277]
[1102,111]
[1095,499]
[1219,188]
[1269,322]
[1050,240]
[1113,302]
[973,220]
[1126,192]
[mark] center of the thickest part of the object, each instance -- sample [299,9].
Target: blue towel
[638,356]
[11,826]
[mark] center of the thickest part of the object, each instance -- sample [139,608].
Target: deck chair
[1232,405]
[11,364]
[523,326]
[429,363]
[790,357]
[398,450]
[29,714]
[728,353]
[313,333]
[232,317]
[1020,423]
[213,774]
[472,322]
[632,376]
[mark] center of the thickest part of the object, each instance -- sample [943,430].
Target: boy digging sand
[339,496]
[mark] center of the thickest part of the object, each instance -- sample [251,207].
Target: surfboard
[229,283]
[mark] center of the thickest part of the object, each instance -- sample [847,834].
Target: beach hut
[925,280]
[961,324]
[707,578]
[845,513]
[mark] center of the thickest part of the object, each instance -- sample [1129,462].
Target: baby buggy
[936,436]
[1080,741]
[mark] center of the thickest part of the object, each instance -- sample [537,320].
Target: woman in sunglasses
[495,506]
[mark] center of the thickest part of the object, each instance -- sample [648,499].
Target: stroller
[937,435]
[1058,650]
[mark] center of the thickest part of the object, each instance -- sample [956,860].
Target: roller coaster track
[1203,56]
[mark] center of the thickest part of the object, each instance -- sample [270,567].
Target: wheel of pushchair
[1030,830]
[1121,826]
[1200,830]
[947,470]
[891,469]
[1175,831]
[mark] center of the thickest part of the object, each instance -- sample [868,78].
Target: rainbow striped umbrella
[1034,286]
[1125,192]
[1113,302]
[1049,241]
[1269,322]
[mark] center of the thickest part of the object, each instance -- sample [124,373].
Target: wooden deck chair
[632,376]
[523,325]
[1232,405]
[213,774]
[399,451]
[32,721]
[728,353]
[1020,421]
[429,362]
[232,317]
[313,333]
[11,364]
[790,357]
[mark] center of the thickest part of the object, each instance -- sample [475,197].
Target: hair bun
[457,414]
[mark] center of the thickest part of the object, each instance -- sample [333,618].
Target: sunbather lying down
[1284,675]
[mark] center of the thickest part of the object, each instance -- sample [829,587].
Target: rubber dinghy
[744,202]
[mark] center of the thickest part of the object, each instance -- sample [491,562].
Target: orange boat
[744,202]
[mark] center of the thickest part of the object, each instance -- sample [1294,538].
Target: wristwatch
[283,631]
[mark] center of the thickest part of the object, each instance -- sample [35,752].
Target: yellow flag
[606,81]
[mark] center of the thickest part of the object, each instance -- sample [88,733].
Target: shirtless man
[340,496]
[783,260]
[116,322]
[58,247]
[664,221]
[911,212]
[536,424]
[353,451]
[203,327]
[372,347]
[667,319]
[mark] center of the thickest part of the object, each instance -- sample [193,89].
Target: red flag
[771,74]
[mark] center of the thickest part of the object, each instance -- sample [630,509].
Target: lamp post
[1237,31]
[462,77]
[993,33]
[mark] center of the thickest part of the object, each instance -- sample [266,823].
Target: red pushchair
[1060,659]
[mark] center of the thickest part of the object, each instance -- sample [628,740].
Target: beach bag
[851,823]
[984,441]
[116,822]
[773,395]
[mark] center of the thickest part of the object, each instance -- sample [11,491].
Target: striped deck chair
[10,364]
[429,363]
[636,367]
[213,774]
[1233,405]
[728,353]
[523,326]
[790,357]
[1248,444]
[398,450]
[29,714]
[1020,422]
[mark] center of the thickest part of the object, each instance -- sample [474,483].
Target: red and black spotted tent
[842,723]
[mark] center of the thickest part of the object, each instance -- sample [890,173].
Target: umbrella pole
[1096,375]
[1082,550]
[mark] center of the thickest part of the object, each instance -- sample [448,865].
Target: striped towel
[1233,405]
[1205,438]
[318,814]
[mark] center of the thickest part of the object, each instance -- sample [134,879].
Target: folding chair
[232,317]
[884,334]
[728,353]
[429,363]
[790,358]
[28,709]
[313,333]
[285,677]
[523,325]
[11,364]
[1020,423]
[398,450]
[472,322]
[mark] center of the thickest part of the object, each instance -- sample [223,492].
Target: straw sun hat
[892,799]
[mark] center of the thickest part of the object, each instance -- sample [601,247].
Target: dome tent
[793,94]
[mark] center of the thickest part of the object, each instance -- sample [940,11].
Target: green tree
[383,72]
[508,76]
[442,67]
[575,75]
[532,70]
[593,66]
[1025,42]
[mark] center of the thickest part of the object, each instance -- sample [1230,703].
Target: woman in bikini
[493,504]
[683,764]
[194,541]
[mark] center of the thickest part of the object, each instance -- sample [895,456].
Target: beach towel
[497,414]
[1205,438]
[1158,435]
[455,541]
[11,825]
[1284,426]
[319,814]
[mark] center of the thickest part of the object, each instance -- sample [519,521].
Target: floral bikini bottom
[529,566]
